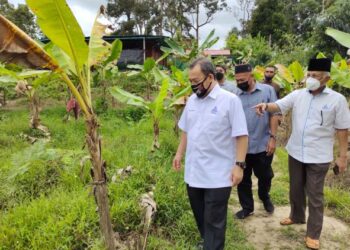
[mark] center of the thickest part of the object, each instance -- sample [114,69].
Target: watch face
[241,164]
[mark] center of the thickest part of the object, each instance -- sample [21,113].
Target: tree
[211,7]
[21,16]
[254,50]
[142,16]
[59,24]
[155,107]
[170,15]
[269,21]
[336,16]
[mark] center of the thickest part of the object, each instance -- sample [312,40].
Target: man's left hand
[236,175]
[342,163]
[271,147]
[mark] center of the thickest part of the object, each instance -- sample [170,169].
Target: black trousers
[209,207]
[261,165]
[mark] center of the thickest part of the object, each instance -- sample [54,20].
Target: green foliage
[34,172]
[182,54]
[21,16]
[64,216]
[249,49]
[101,105]
[59,24]
[341,37]
[131,113]
[269,21]
[61,221]
[339,200]
[293,49]
[336,16]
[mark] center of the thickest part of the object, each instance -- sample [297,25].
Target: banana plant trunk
[34,106]
[156,144]
[3,101]
[99,177]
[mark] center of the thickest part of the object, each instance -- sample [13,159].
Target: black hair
[205,65]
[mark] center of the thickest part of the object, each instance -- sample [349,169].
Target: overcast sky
[85,11]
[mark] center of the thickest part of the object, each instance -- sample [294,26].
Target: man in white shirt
[317,113]
[215,139]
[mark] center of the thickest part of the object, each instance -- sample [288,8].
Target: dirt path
[265,232]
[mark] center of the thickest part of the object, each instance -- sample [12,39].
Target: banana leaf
[284,72]
[341,37]
[58,23]
[157,106]
[116,50]
[98,48]
[18,48]
[128,98]
[297,71]
[63,60]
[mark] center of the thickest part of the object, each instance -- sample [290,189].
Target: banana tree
[340,70]
[156,107]
[146,73]
[181,55]
[180,90]
[28,85]
[290,77]
[60,26]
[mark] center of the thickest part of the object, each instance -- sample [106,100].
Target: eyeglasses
[198,83]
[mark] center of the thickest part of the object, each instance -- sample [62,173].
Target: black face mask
[244,86]
[268,78]
[219,76]
[200,92]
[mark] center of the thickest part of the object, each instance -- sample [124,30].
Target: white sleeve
[183,120]
[342,115]
[287,102]
[237,118]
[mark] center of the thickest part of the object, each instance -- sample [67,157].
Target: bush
[34,172]
[63,221]
[131,113]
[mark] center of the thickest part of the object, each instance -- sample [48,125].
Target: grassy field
[46,199]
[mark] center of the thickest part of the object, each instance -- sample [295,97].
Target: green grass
[280,183]
[46,200]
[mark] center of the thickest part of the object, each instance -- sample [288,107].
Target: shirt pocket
[216,122]
[327,117]
[192,116]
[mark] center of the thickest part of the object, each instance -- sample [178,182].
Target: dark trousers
[307,180]
[261,165]
[209,207]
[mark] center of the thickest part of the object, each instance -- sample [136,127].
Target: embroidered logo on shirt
[325,107]
[214,110]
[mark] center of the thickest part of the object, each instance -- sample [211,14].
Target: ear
[327,79]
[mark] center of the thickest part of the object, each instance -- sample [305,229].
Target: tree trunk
[34,111]
[155,136]
[3,101]
[93,141]
[197,24]
[176,119]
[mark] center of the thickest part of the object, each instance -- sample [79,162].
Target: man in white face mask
[317,114]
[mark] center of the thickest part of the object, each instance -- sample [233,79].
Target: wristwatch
[241,164]
[273,136]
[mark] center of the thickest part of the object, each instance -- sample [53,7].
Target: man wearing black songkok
[317,114]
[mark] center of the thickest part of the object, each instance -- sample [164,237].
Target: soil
[265,232]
